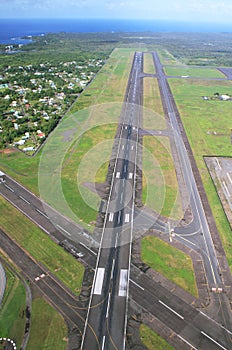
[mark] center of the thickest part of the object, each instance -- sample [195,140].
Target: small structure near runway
[2,176]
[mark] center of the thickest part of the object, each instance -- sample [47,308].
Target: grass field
[92,151]
[152,340]
[208,127]
[41,247]
[58,171]
[169,262]
[149,67]
[194,72]
[160,187]
[48,329]
[12,316]
[153,114]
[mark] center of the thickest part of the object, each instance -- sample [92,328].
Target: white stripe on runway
[123,283]
[118,175]
[131,176]
[111,216]
[99,281]
[127,218]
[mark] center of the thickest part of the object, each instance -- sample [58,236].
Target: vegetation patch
[45,323]
[12,311]
[153,114]
[149,67]
[152,340]
[160,186]
[208,127]
[169,262]
[41,247]
[186,71]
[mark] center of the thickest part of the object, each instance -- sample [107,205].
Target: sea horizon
[12,29]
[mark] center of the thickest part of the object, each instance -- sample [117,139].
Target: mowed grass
[169,262]
[160,186]
[41,247]
[48,329]
[153,114]
[83,164]
[149,67]
[202,119]
[194,72]
[152,340]
[110,83]
[12,315]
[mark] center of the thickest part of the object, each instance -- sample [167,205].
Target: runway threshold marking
[214,341]
[111,216]
[99,281]
[169,308]
[130,176]
[127,218]
[123,283]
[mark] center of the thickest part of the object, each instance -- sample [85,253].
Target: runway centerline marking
[169,308]
[103,342]
[24,199]
[137,284]
[185,341]
[63,229]
[9,188]
[99,281]
[214,341]
[39,211]
[108,306]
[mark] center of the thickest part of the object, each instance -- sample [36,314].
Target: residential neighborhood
[34,97]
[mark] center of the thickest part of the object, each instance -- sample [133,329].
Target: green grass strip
[41,247]
[48,329]
[12,315]
[152,340]
[169,262]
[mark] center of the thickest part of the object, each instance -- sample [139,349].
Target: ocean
[12,29]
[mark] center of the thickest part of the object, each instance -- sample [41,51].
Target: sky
[184,10]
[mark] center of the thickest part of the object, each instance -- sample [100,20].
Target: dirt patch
[9,151]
